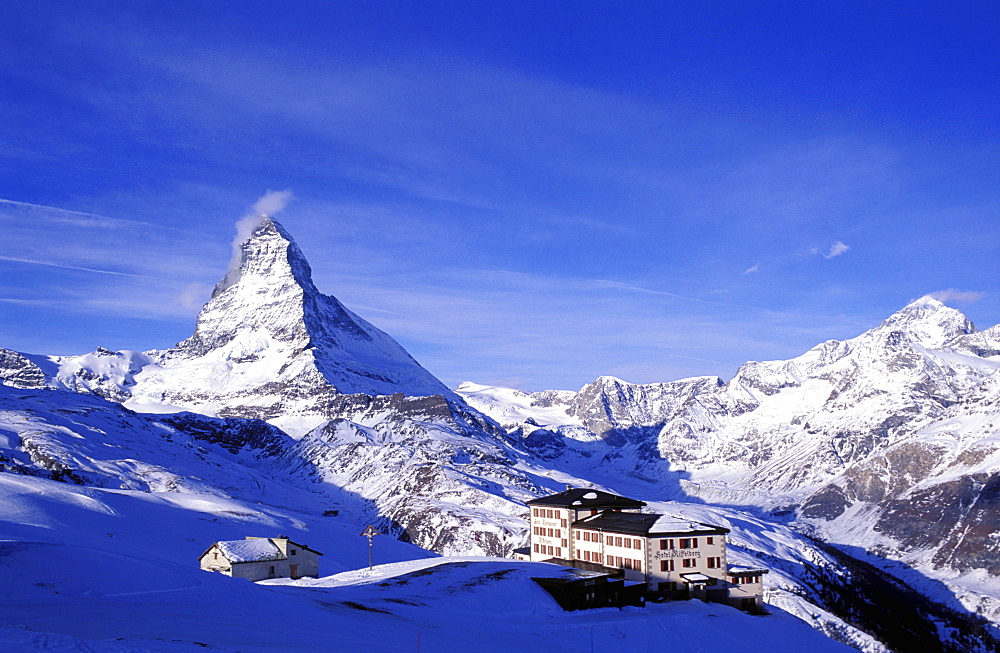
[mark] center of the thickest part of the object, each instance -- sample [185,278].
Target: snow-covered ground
[84,569]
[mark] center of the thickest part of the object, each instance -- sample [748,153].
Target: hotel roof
[583,498]
[632,523]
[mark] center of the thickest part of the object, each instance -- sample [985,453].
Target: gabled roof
[236,551]
[256,549]
[649,525]
[583,498]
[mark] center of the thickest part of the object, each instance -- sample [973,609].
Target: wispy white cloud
[837,249]
[752,269]
[193,297]
[272,202]
[97,267]
[269,204]
[53,214]
[78,268]
[958,296]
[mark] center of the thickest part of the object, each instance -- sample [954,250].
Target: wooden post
[370,532]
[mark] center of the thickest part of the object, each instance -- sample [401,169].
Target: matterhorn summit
[269,344]
[269,307]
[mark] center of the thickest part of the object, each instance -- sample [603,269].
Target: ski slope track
[285,412]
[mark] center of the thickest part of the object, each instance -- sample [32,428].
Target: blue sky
[524,193]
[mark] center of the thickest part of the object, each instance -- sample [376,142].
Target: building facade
[260,558]
[552,535]
[675,557]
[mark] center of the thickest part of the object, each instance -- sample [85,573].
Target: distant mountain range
[887,444]
[889,441]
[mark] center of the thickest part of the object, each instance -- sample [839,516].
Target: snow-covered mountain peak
[927,322]
[268,251]
[269,292]
[268,326]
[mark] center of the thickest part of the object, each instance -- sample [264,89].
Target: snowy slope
[452,605]
[103,521]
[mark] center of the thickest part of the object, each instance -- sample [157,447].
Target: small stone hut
[260,558]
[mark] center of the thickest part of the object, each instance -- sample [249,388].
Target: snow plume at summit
[270,204]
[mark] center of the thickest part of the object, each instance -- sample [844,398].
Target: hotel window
[637,565]
[687,562]
[666,544]
[558,552]
[618,540]
[562,522]
[564,543]
[666,565]
[558,533]
[689,542]
[534,512]
[637,544]
[714,563]
[709,540]
[536,550]
[586,556]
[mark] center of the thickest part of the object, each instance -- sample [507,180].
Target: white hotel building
[677,558]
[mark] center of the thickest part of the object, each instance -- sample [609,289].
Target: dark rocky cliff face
[19,372]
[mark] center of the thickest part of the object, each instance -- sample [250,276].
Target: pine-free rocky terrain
[864,473]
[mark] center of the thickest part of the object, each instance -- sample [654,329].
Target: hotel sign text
[677,553]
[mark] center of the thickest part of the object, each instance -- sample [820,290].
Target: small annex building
[672,556]
[260,558]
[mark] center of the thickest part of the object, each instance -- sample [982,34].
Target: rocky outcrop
[19,372]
